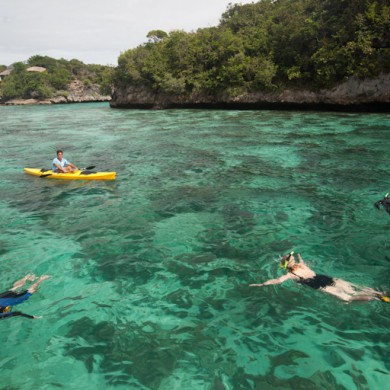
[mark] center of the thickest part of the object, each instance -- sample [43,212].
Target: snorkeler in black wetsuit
[341,289]
[10,298]
[385,202]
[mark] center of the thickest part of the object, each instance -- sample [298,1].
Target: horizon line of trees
[264,46]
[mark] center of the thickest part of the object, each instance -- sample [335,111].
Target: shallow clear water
[151,272]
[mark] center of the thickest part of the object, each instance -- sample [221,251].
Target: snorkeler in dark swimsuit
[341,289]
[385,202]
[10,298]
[317,282]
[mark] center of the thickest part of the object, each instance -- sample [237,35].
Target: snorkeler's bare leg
[369,294]
[22,282]
[357,292]
[363,297]
[343,286]
[371,291]
[34,286]
[349,293]
[337,293]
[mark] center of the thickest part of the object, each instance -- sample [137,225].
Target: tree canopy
[263,46]
[54,81]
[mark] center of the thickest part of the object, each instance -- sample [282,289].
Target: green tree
[43,61]
[60,78]
[106,81]
[156,35]
[265,45]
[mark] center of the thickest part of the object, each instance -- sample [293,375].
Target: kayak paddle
[81,169]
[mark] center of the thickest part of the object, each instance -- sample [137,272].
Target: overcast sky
[95,31]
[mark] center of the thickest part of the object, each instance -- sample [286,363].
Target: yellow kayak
[75,175]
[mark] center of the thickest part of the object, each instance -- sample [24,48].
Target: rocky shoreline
[56,100]
[77,93]
[371,95]
[352,95]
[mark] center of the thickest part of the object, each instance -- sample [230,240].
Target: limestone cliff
[370,94]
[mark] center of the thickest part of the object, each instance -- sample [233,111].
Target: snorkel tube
[285,263]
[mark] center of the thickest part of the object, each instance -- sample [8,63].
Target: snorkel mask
[285,263]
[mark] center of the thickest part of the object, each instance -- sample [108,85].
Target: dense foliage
[263,46]
[55,80]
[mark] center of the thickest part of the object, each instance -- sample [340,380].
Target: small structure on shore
[39,69]
[5,73]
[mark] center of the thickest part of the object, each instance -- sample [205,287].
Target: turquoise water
[151,271]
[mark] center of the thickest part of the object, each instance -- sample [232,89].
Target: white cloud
[95,31]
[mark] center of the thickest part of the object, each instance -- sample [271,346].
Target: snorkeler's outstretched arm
[19,313]
[16,314]
[273,281]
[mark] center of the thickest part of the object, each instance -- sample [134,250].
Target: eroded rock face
[352,91]
[369,93]
[77,92]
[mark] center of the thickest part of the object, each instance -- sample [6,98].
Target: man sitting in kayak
[60,164]
[12,297]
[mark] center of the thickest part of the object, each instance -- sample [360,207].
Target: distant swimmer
[60,164]
[11,297]
[341,289]
[385,202]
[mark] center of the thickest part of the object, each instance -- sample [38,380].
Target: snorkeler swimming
[12,297]
[385,202]
[341,289]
